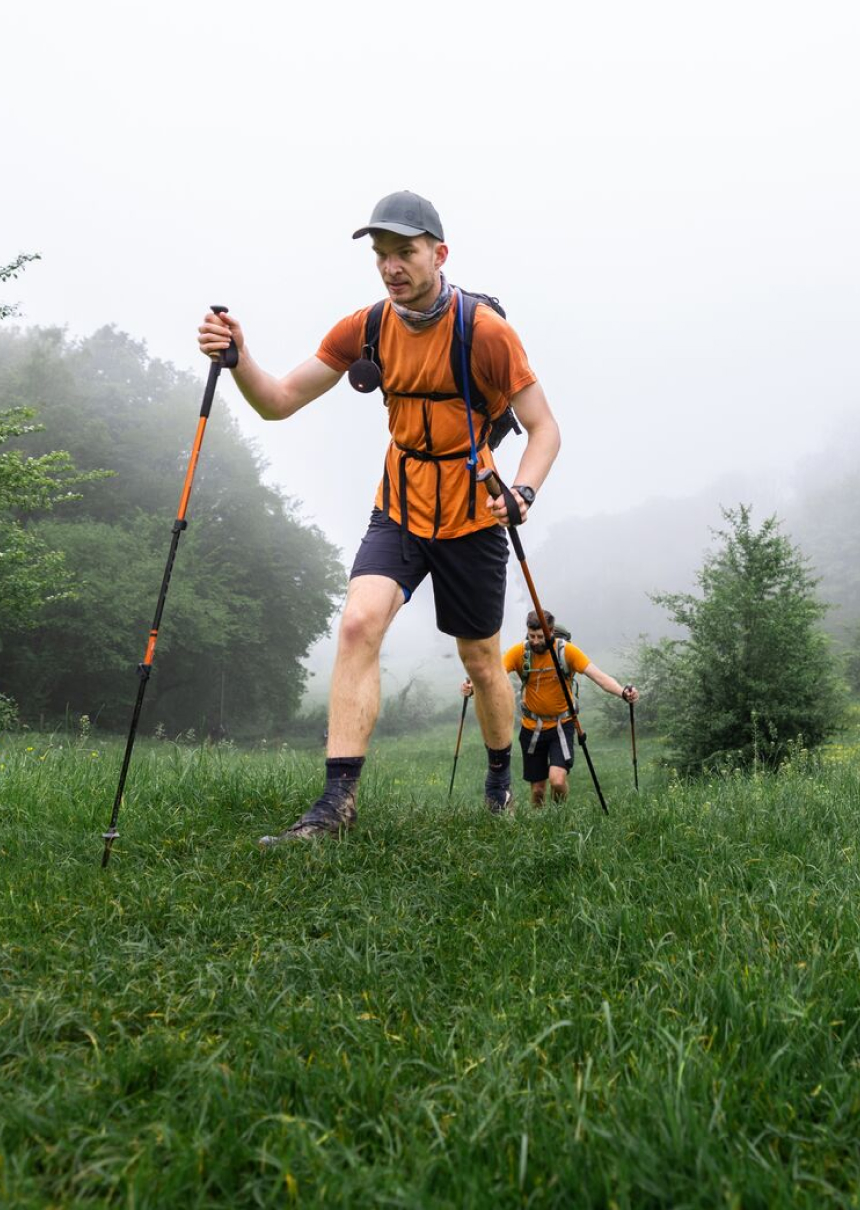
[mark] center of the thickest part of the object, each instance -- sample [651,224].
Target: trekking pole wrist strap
[497,488]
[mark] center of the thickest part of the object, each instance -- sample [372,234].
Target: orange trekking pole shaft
[496,488]
[227,358]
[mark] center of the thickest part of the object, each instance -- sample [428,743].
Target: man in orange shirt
[546,734]
[430,517]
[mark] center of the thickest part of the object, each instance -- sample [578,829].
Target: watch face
[527,493]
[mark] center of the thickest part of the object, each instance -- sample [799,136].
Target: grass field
[658,1008]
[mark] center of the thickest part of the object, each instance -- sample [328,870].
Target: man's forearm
[263,391]
[544,442]
[606,682]
[277,398]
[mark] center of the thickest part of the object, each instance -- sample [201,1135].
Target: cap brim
[397,228]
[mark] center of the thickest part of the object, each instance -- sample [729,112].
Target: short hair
[533,621]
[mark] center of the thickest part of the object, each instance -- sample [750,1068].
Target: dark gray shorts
[468,573]
[547,753]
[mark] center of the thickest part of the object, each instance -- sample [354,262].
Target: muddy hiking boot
[333,812]
[325,818]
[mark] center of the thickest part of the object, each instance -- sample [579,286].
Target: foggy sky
[663,195]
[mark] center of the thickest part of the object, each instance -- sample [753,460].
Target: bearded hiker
[430,346]
[547,731]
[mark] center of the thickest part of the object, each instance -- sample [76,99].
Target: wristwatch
[527,493]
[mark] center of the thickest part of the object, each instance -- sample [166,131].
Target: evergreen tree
[755,672]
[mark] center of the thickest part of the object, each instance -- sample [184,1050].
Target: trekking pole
[496,488]
[633,742]
[226,358]
[459,737]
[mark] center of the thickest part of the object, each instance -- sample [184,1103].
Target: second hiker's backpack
[461,356]
[562,636]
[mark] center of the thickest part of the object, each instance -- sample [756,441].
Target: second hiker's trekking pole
[633,742]
[495,487]
[227,358]
[459,737]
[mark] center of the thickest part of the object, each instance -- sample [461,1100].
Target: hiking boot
[325,818]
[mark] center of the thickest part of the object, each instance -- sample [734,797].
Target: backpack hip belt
[539,720]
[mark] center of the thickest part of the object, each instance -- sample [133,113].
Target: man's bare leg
[494,707]
[371,605]
[494,697]
[558,783]
[538,792]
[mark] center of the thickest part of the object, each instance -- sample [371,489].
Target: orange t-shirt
[542,693]
[420,360]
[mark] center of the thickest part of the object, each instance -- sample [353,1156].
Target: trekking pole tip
[108,837]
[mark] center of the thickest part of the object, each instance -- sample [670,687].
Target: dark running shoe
[497,793]
[325,818]
[503,805]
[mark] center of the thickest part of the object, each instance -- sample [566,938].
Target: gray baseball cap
[404,213]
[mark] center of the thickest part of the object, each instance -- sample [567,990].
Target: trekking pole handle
[491,481]
[228,358]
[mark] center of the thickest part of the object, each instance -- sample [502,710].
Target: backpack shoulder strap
[469,303]
[372,327]
[527,662]
[560,645]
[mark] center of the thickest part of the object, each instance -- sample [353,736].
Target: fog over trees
[253,586]
[601,571]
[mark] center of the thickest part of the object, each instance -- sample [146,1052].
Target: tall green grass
[658,1008]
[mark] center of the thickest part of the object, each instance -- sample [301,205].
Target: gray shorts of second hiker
[547,752]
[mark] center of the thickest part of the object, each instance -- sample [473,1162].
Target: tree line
[95,437]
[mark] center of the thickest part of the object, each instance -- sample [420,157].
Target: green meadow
[557,1009]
